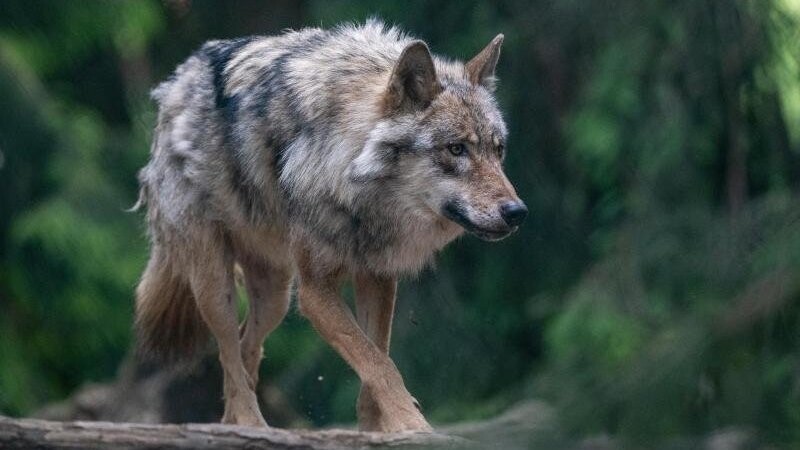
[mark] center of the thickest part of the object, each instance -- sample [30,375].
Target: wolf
[313,158]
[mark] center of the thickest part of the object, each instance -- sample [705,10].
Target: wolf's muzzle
[455,211]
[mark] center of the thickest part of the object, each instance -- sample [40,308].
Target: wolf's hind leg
[211,279]
[321,304]
[268,292]
[375,299]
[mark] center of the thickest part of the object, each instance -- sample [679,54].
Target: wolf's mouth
[492,235]
[454,211]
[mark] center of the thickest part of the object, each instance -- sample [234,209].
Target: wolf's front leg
[211,277]
[321,304]
[375,299]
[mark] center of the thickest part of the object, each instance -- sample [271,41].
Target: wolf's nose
[513,213]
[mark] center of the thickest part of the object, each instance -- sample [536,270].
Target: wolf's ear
[480,69]
[413,84]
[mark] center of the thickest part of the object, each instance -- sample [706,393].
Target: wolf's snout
[513,213]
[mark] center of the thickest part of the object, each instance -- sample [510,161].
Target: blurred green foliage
[651,294]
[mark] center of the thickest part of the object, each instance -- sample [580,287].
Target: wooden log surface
[44,434]
[529,424]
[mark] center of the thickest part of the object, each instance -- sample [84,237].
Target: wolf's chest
[410,249]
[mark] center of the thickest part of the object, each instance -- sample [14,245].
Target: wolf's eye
[456,149]
[501,149]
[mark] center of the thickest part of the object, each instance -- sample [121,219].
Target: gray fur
[326,140]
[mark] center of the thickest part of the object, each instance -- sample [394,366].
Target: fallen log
[44,434]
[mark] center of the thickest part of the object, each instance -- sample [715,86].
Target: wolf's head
[442,138]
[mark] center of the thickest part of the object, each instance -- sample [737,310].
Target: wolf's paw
[244,415]
[397,412]
[397,421]
[245,420]
[407,423]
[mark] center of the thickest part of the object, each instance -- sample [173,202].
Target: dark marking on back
[274,93]
[219,54]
